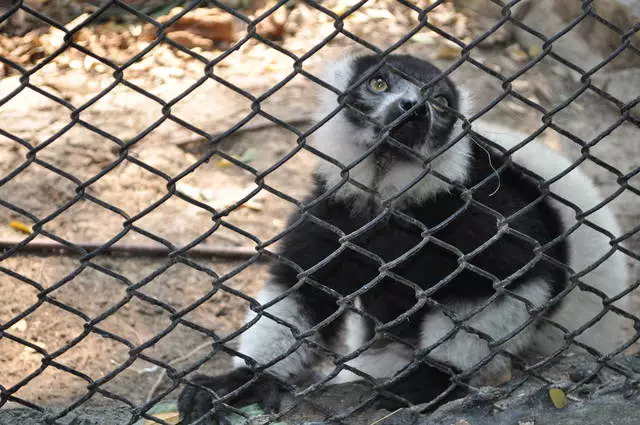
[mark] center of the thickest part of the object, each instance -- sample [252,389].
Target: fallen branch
[247,128]
[203,250]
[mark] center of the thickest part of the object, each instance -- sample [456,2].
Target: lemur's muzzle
[411,122]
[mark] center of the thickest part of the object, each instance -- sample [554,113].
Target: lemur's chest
[390,257]
[398,262]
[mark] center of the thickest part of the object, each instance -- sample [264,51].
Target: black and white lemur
[476,228]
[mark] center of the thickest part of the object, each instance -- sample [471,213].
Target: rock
[579,373]
[488,8]
[273,27]
[622,84]
[590,41]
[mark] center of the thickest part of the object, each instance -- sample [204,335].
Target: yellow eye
[440,104]
[378,85]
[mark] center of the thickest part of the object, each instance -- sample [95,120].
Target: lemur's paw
[196,402]
[423,385]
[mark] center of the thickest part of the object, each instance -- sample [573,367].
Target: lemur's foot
[197,400]
[424,384]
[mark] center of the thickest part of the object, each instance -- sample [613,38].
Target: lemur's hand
[197,400]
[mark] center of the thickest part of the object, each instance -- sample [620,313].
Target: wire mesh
[88,254]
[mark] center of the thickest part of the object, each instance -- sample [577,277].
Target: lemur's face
[415,117]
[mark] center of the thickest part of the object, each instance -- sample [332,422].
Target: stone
[622,84]
[578,373]
[587,44]
[590,41]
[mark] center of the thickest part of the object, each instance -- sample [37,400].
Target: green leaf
[558,398]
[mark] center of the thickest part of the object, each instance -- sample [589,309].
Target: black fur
[195,403]
[310,243]
[422,384]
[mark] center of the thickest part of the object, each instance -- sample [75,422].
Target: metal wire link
[265,249]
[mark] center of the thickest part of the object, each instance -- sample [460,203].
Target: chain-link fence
[423,271]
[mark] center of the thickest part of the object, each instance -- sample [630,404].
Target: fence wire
[264,250]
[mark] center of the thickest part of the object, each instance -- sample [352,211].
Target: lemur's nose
[407,104]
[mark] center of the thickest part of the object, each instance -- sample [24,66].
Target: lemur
[427,247]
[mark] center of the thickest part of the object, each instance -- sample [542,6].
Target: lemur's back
[590,250]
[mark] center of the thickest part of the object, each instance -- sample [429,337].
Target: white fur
[382,362]
[463,349]
[586,245]
[379,362]
[346,143]
[267,339]
[498,320]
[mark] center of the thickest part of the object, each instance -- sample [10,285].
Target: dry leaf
[223,163]
[380,14]
[166,73]
[448,51]
[211,24]
[424,38]
[18,225]
[28,349]
[168,417]
[246,157]
[534,50]
[190,40]
[274,25]
[224,197]
[516,53]
[20,326]
[521,85]
[515,107]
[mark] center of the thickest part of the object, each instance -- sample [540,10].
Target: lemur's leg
[465,350]
[378,361]
[265,341]
[390,365]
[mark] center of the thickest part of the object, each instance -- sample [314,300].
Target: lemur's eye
[378,85]
[440,104]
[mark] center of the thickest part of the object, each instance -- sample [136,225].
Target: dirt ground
[103,284]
